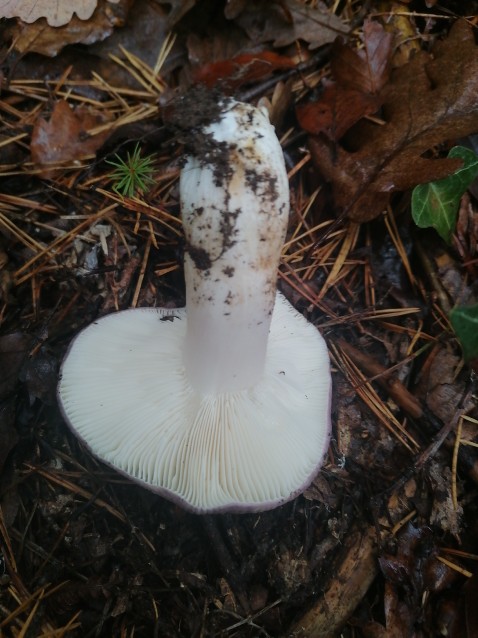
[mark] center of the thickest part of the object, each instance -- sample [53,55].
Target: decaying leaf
[56,12]
[40,375]
[336,111]
[439,388]
[359,77]
[242,69]
[428,101]
[367,69]
[289,20]
[65,137]
[143,36]
[409,570]
[444,514]
[41,37]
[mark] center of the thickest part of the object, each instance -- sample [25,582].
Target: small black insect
[169,318]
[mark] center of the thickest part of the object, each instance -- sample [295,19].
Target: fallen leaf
[289,20]
[359,76]
[403,23]
[142,36]
[56,12]
[440,387]
[444,513]
[41,37]
[337,110]
[465,240]
[278,106]
[178,9]
[431,99]
[65,136]
[221,43]
[471,141]
[436,204]
[40,375]
[410,568]
[241,69]
[367,69]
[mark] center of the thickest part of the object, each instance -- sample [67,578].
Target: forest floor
[367,99]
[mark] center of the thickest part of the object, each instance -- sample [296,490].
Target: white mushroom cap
[125,393]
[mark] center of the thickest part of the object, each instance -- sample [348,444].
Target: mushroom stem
[235,207]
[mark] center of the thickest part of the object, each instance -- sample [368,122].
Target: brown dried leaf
[410,569]
[337,110]
[439,387]
[444,513]
[56,12]
[428,101]
[40,375]
[178,9]
[359,77]
[402,569]
[65,136]
[241,69]
[398,615]
[368,69]
[142,36]
[42,37]
[289,20]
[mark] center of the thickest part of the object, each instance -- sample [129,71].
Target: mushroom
[223,405]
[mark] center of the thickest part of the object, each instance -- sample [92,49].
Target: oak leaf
[359,76]
[40,37]
[367,69]
[286,21]
[56,12]
[431,99]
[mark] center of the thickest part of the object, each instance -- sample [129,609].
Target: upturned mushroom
[223,405]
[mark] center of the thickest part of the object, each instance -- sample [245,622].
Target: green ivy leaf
[436,204]
[464,320]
